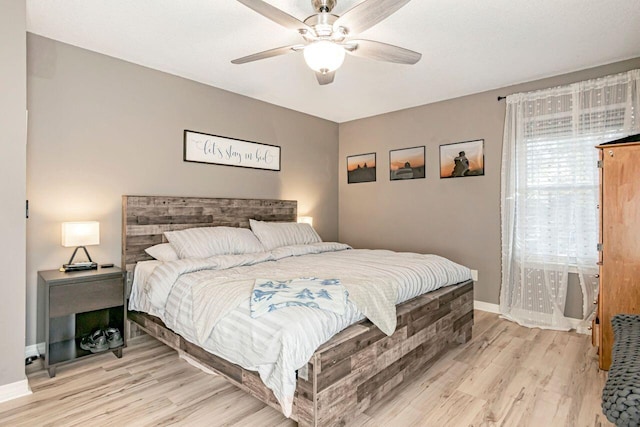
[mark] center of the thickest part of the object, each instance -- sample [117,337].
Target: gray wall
[458,218]
[100,127]
[13,138]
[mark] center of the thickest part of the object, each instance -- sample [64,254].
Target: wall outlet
[474,275]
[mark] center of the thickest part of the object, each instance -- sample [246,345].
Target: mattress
[277,344]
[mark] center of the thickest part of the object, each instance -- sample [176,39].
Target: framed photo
[219,150]
[361,168]
[462,159]
[406,163]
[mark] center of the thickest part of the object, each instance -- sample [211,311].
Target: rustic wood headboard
[145,218]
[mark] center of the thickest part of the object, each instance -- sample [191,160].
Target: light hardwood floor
[506,375]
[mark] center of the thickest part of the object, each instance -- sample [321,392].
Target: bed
[345,375]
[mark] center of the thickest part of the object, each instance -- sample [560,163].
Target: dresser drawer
[87,296]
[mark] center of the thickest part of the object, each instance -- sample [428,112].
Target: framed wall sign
[219,150]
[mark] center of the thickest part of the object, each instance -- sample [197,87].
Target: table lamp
[306,220]
[80,234]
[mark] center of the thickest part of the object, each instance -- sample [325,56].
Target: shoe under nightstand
[77,304]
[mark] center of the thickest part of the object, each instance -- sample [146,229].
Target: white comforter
[279,343]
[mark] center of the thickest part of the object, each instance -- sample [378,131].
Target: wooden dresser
[619,241]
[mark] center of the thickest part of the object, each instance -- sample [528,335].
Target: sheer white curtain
[549,193]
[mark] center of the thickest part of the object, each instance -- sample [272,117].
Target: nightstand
[76,304]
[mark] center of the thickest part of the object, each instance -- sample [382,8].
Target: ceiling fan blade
[381,51]
[365,15]
[267,54]
[326,78]
[278,16]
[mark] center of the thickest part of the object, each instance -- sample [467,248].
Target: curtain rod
[500,98]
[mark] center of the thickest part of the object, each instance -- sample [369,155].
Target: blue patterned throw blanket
[325,294]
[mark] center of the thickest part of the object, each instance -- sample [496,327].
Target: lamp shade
[323,56]
[306,220]
[81,233]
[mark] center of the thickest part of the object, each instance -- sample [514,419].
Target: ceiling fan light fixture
[324,56]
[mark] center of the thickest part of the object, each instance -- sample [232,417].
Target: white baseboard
[14,390]
[575,324]
[495,308]
[34,350]
[486,306]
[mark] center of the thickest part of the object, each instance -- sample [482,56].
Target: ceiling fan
[328,37]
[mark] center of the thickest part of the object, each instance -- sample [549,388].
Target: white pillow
[163,252]
[276,234]
[205,242]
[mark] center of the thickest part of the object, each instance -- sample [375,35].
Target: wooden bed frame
[347,374]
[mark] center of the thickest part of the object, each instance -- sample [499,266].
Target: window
[550,192]
[560,185]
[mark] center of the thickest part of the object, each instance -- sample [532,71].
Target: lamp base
[79,266]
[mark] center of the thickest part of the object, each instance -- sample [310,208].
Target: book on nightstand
[79,266]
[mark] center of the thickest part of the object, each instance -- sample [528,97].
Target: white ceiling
[467,46]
